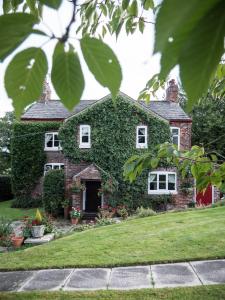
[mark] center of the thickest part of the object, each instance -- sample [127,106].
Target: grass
[182,236]
[213,292]
[7,212]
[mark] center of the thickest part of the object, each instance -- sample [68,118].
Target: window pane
[162,185]
[56,140]
[162,178]
[141,131]
[153,177]
[85,131]
[61,166]
[175,140]
[175,131]
[141,139]
[171,182]
[48,167]
[153,185]
[56,167]
[49,139]
[85,139]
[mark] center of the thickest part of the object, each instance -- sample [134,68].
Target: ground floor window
[162,182]
[53,166]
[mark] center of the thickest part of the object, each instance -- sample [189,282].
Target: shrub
[145,212]
[122,212]
[27,202]
[104,221]
[218,203]
[53,191]
[5,188]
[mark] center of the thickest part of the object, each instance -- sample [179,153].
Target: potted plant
[75,215]
[66,206]
[17,241]
[37,228]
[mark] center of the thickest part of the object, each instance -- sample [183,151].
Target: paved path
[123,278]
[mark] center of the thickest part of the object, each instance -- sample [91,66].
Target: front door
[205,198]
[93,201]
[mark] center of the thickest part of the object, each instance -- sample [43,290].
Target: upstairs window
[175,136]
[141,137]
[162,182]
[53,166]
[85,136]
[52,142]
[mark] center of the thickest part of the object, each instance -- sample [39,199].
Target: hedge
[5,188]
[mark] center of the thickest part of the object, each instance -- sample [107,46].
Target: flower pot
[74,221]
[66,212]
[17,241]
[37,231]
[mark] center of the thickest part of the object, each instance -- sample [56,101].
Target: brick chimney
[172,91]
[46,93]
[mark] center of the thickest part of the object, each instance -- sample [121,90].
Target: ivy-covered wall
[113,140]
[28,156]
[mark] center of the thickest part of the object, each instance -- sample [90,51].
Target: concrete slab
[130,278]
[210,272]
[12,281]
[47,280]
[88,279]
[171,275]
[38,241]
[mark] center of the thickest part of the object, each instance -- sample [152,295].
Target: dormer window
[85,136]
[175,136]
[141,137]
[52,142]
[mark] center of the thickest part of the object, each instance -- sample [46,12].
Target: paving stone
[47,280]
[37,241]
[130,278]
[210,272]
[12,281]
[171,275]
[88,279]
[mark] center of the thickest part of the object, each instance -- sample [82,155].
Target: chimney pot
[46,93]
[172,91]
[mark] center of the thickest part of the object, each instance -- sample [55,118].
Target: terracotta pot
[38,231]
[74,221]
[66,212]
[17,241]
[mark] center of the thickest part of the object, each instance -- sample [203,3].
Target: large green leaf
[67,76]
[14,29]
[52,3]
[202,53]
[103,63]
[24,77]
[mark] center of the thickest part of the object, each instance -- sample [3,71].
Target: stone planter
[74,221]
[17,241]
[37,231]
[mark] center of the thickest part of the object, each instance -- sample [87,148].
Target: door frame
[84,196]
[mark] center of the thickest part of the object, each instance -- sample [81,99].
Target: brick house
[159,182]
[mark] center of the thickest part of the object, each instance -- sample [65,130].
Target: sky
[134,53]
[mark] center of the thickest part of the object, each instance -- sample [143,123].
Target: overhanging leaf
[202,53]
[24,77]
[103,63]
[67,76]
[52,3]
[14,29]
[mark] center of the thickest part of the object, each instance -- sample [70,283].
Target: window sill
[141,146]
[87,146]
[162,192]
[53,149]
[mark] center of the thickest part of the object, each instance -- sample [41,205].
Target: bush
[145,212]
[5,188]
[219,203]
[27,202]
[53,191]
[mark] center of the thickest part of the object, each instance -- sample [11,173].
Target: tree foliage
[188,33]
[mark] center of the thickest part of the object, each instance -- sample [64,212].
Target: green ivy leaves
[103,63]
[14,29]
[67,76]
[193,39]
[24,77]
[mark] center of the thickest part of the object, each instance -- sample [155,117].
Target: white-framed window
[141,137]
[175,136]
[52,142]
[85,136]
[162,182]
[53,166]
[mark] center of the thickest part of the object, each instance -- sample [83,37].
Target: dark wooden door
[93,201]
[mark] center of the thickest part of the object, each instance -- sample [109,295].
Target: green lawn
[189,235]
[7,212]
[213,292]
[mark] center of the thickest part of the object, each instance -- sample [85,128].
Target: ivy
[28,156]
[113,140]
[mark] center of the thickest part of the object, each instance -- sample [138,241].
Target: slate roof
[54,109]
